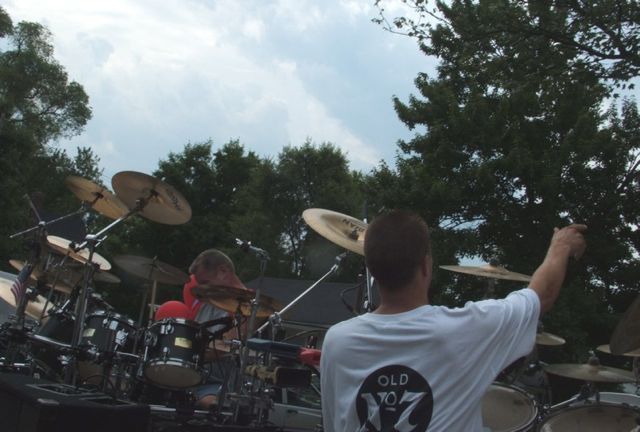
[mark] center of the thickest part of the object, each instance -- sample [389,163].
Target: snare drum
[592,417]
[508,408]
[174,349]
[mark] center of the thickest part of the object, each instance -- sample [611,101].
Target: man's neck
[403,300]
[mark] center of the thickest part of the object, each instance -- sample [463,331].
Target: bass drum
[508,409]
[593,417]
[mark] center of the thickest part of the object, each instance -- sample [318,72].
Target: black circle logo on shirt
[394,398]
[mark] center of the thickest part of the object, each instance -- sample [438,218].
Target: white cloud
[162,73]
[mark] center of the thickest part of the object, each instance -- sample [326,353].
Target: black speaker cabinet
[30,405]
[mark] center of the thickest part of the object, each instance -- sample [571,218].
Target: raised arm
[547,279]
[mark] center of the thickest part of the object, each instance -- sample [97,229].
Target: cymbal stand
[91,242]
[244,352]
[275,318]
[144,301]
[17,328]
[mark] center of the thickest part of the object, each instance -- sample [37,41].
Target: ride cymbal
[489,271]
[151,269]
[232,299]
[154,199]
[591,372]
[548,339]
[33,309]
[338,228]
[607,349]
[100,198]
[62,245]
[626,336]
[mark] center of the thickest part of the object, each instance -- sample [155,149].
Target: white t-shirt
[425,369]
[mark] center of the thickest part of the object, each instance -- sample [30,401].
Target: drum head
[506,408]
[172,374]
[592,418]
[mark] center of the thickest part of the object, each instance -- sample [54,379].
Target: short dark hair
[209,260]
[395,243]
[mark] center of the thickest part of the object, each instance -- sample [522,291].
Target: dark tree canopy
[516,135]
[603,36]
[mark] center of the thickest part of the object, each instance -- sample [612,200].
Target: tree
[512,150]
[603,36]
[302,177]
[38,105]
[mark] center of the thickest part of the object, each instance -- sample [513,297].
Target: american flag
[20,284]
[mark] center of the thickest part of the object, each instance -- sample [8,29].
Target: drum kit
[65,333]
[520,398]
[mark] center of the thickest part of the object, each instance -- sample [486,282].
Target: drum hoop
[171,361]
[584,405]
[180,321]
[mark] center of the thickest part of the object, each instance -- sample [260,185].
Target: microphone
[248,247]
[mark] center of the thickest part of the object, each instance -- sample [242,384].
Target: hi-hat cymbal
[34,308]
[232,299]
[607,349]
[343,230]
[61,245]
[161,202]
[591,372]
[100,198]
[489,271]
[549,339]
[151,269]
[626,336]
[61,283]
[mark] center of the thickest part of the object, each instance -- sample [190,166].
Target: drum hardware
[346,232]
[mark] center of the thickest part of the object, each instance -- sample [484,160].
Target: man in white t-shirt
[412,366]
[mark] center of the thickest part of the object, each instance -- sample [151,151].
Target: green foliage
[37,105]
[516,141]
[602,36]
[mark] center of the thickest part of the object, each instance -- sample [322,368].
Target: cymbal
[591,372]
[61,284]
[232,299]
[626,336]
[162,203]
[101,199]
[61,245]
[488,270]
[34,308]
[151,269]
[343,230]
[549,339]
[607,349]
[65,277]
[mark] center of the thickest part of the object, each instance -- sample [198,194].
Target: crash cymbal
[106,277]
[151,269]
[489,271]
[232,299]
[34,308]
[162,203]
[61,284]
[343,230]
[549,339]
[626,336]
[591,372]
[101,199]
[61,245]
[607,349]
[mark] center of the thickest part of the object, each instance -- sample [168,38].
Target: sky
[161,74]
